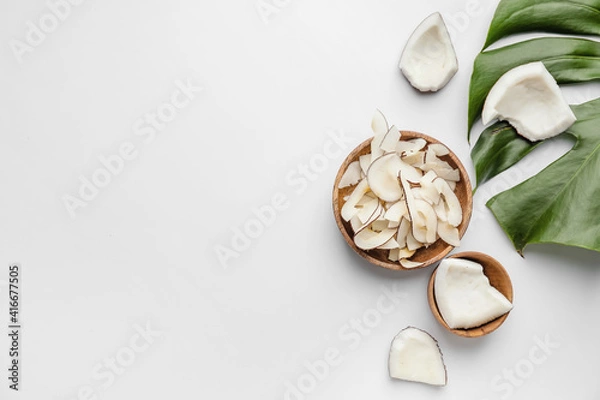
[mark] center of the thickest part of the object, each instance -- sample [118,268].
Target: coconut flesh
[429,60]
[530,100]
[464,295]
[415,356]
[403,195]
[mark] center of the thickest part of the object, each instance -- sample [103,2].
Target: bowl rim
[486,262]
[344,226]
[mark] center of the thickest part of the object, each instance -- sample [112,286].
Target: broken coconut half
[530,100]
[464,296]
[429,60]
[415,356]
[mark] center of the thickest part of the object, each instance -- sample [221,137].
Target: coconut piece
[429,193]
[380,128]
[419,143]
[441,211]
[349,209]
[393,224]
[379,224]
[411,173]
[359,225]
[448,233]
[529,99]
[453,207]
[403,231]
[405,253]
[449,175]
[411,243]
[424,227]
[464,295]
[367,198]
[408,196]
[409,147]
[429,60]
[382,176]
[416,159]
[368,239]
[365,162]
[417,192]
[439,149]
[355,224]
[379,124]
[408,264]
[431,158]
[440,167]
[389,245]
[393,255]
[390,140]
[367,209]
[351,176]
[405,148]
[416,356]
[396,211]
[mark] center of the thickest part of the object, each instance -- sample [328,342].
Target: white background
[142,251]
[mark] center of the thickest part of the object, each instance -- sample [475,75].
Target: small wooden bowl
[427,256]
[499,279]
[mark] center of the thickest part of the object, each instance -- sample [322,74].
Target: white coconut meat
[452,204]
[351,176]
[390,140]
[530,100]
[380,128]
[368,239]
[409,264]
[448,233]
[403,231]
[365,162]
[357,224]
[368,206]
[349,208]
[409,147]
[424,222]
[396,211]
[429,60]
[382,176]
[415,356]
[464,295]
[379,124]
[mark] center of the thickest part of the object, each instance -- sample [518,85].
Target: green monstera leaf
[517,16]
[499,147]
[561,204]
[569,60]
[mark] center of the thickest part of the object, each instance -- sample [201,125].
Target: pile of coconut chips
[403,197]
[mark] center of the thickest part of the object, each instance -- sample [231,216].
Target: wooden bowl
[429,255]
[499,279]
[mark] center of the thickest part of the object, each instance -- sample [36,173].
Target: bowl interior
[428,255]
[499,279]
